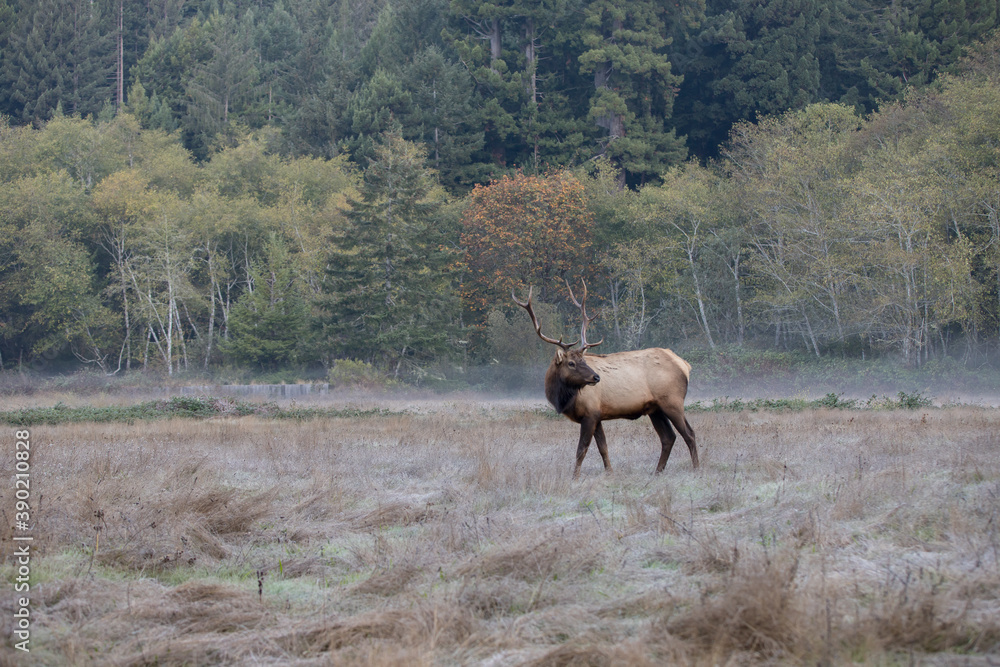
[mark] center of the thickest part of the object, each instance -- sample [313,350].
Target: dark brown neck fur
[561,395]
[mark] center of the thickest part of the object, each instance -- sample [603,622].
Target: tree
[637,272]
[159,274]
[967,158]
[377,107]
[915,280]
[388,293]
[749,59]
[441,115]
[681,220]
[86,150]
[120,202]
[480,49]
[163,72]
[752,59]
[923,39]
[269,325]
[224,88]
[49,285]
[518,55]
[325,74]
[61,55]
[790,172]
[279,41]
[520,231]
[633,84]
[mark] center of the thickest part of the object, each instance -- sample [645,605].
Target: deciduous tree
[524,230]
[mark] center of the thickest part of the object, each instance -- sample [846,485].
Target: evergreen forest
[193,187]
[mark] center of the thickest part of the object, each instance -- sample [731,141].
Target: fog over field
[452,532]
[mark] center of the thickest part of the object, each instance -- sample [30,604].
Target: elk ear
[560,355]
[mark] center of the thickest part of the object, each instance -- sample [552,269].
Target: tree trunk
[170,334]
[614,123]
[494,38]
[741,327]
[211,311]
[689,248]
[701,309]
[121,56]
[128,324]
[529,60]
[614,310]
[812,336]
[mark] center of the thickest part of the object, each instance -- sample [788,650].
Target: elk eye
[572,365]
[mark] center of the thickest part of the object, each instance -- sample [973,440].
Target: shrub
[357,374]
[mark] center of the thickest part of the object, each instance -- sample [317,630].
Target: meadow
[451,532]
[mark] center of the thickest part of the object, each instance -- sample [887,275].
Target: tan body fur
[634,384]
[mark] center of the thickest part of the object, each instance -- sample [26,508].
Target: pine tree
[516,52]
[61,53]
[387,293]
[324,75]
[163,70]
[279,41]
[377,107]
[8,24]
[442,95]
[480,47]
[269,325]
[633,85]
[224,88]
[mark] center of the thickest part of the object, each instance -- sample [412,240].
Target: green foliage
[903,401]
[487,87]
[819,234]
[57,59]
[269,325]
[389,299]
[768,58]
[191,407]
[633,84]
[442,96]
[354,374]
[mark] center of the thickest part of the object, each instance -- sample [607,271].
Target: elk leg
[602,445]
[587,428]
[667,437]
[684,428]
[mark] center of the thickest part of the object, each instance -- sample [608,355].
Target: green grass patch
[197,407]
[903,401]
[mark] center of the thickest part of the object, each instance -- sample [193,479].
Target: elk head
[569,364]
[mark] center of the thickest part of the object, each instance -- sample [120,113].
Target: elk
[589,388]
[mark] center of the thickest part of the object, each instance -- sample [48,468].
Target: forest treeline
[487,87]
[817,230]
[192,186]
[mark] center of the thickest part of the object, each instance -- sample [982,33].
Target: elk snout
[597,378]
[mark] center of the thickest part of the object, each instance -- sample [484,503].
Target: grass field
[452,532]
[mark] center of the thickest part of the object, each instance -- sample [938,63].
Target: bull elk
[589,388]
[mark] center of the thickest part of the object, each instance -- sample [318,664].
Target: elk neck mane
[560,394]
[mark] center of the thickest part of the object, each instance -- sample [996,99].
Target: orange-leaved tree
[520,231]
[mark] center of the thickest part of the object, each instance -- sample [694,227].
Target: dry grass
[455,535]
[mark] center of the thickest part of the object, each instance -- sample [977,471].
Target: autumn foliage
[520,231]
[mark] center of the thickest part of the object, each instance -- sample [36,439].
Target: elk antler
[586,320]
[538,325]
